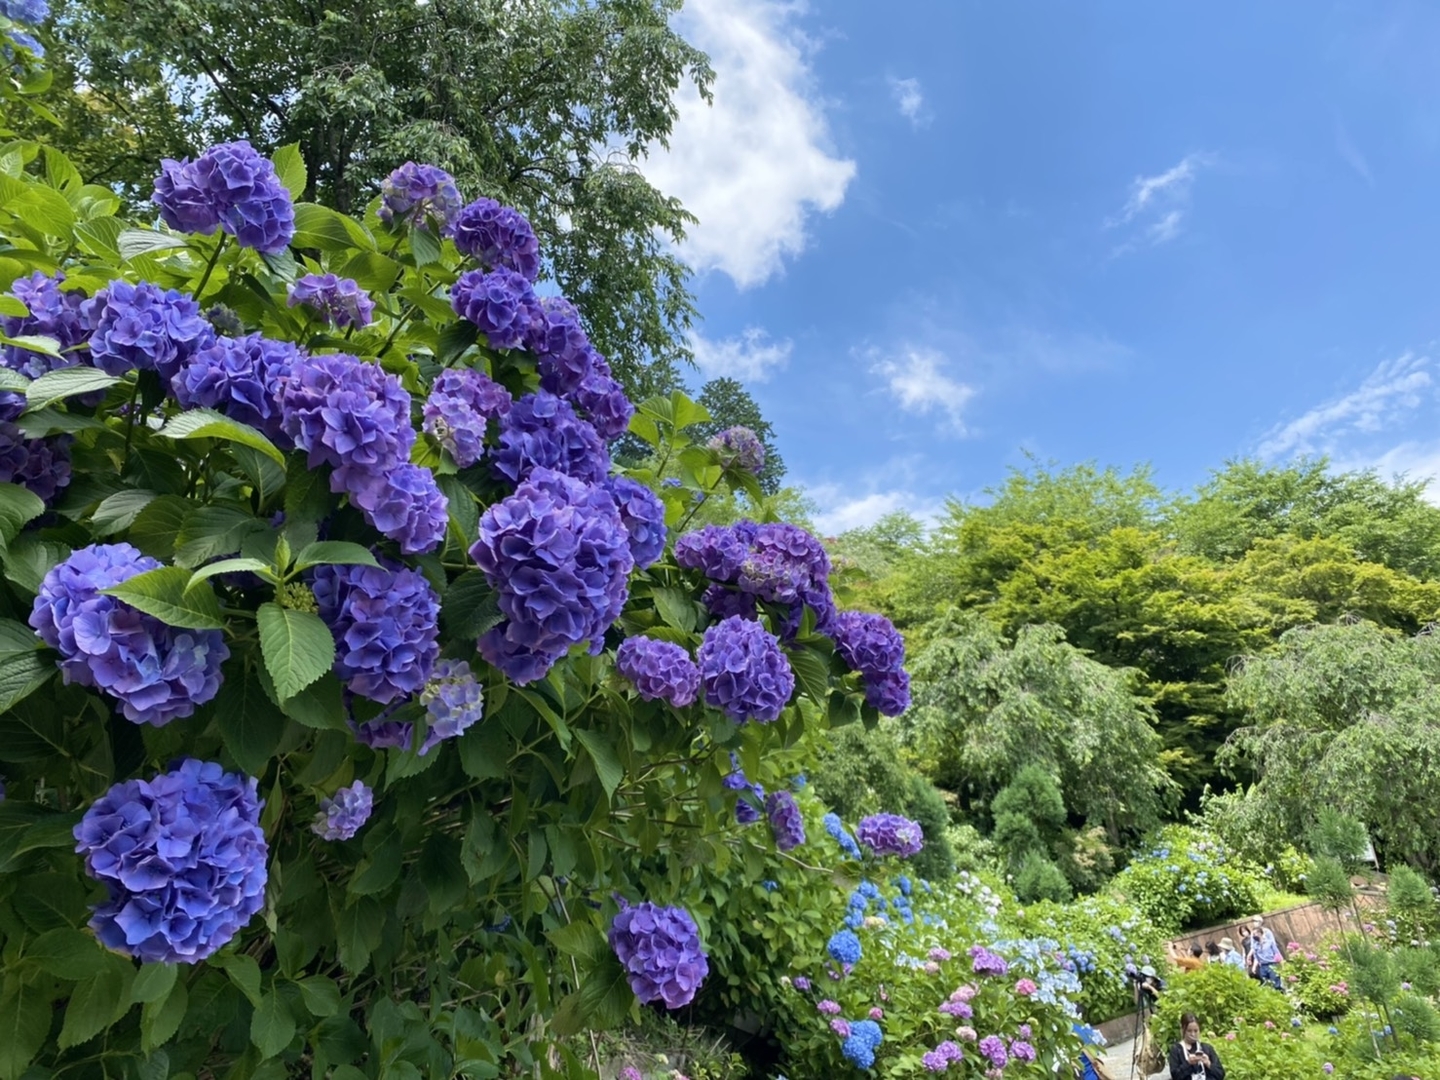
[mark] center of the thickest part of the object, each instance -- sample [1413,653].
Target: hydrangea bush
[1188,878]
[359,716]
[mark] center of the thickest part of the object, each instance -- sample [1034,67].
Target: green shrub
[1223,997]
[1255,1052]
[1412,910]
[1187,879]
[925,804]
[1040,879]
[1318,980]
[1420,967]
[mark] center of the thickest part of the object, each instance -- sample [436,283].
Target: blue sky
[939,234]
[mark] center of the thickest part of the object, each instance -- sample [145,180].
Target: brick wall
[1305,923]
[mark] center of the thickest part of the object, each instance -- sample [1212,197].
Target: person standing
[1231,955]
[1191,1059]
[1266,952]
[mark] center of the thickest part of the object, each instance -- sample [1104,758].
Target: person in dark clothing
[1191,1059]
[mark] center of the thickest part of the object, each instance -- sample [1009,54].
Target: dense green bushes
[1189,879]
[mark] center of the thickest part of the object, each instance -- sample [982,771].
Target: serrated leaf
[226,566]
[23,668]
[378,870]
[424,246]
[320,705]
[156,528]
[470,606]
[160,1019]
[357,933]
[135,242]
[209,424]
[441,873]
[18,507]
[243,971]
[64,383]
[579,940]
[248,720]
[118,512]
[30,559]
[602,1002]
[334,553]
[153,982]
[210,531]
[297,648]
[602,753]
[43,344]
[24,1023]
[321,995]
[66,953]
[812,672]
[290,169]
[13,380]
[165,593]
[676,607]
[92,1006]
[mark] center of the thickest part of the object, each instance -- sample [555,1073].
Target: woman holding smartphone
[1191,1059]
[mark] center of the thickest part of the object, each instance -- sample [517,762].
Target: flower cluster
[158,673]
[42,465]
[741,448]
[602,399]
[564,356]
[744,673]
[424,196]
[992,1047]
[660,670]
[785,820]
[940,1059]
[985,962]
[238,377]
[541,431]
[53,313]
[844,947]
[23,13]
[339,301]
[836,828]
[405,504]
[659,948]
[453,699]
[865,1038]
[340,817]
[891,834]
[557,554]
[385,624]
[502,305]
[457,413]
[752,797]
[644,516]
[183,858]
[231,187]
[145,328]
[871,645]
[497,236]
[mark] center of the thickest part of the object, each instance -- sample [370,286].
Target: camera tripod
[1144,1008]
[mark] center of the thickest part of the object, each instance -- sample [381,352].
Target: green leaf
[209,424]
[441,873]
[607,765]
[43,344]
[165,592]
[321,228]
[485,751]
[226,566]
[13,380]
[357,933]
[15,308]
[101,236]
[28,827]
[49,901]
[30,559]
[67,954]
[379,870]
[213,530]
[457,336]
[676,607]
[153,982]
[334,553]
[243,970]
[119,511]
[579,940]
[135,242]
[372,271]
[297,647]
[155,1067]
[290,169]
[271,1027]
[160,1019]
[64,383]
[602,1002]
[424,246]
[24,1023]
[42,422]
[156,528]
[320,705]
[812,672]
[41,207]
[92,1006]
[18,507]
[321,995]
[266,476]
[249,722]
[470,606]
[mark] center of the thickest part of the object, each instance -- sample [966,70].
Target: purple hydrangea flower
[660,670]
[341,817]
[985,962]
[644,516]
[385,624]
[422,195]
[501,304]
[1021,1050]
[659,948]
[347,414]
[158,673]
[183,857]
[785,820]
[27,13]
[717,550]
[993,1048]
[747,806]
[542,431]
[339,301]
[406,505]
[453,700]
[940,1059]
[844,947]
[891,834]
[498,236]
[557,554]
[239,377]
[41,465]
[462,401]
[722,602]
[871,645]
[744,673]
[232,187]
[563,355]
[828,1007]
[54,313]
[602,399]
[144,327]
[739,447]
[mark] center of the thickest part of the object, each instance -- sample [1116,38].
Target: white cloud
[842,510]
[919,383]
[1346,148]
[1394,389]
[1415,459]
[755,165]
[750,357]
[1157,205]
[909,99]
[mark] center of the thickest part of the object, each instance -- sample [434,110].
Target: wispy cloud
[841,509]
[1346,148]
[758,163]
[910,100]
[1393,391]
[918,380]
[751,357]
[1157,205]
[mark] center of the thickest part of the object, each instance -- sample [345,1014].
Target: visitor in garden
[1265,953]
[1231,955]
[1194,961]
[1213,954]
[1191,1059]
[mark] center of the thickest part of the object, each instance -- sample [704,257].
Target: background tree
[731,404]
[1029,816]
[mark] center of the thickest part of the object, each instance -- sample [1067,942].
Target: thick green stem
[210,266]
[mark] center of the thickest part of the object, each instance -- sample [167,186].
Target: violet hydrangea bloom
[785,820]
[422,195]
[890,834]
[557,554]
[501,304]
[461,404]
[41,465]
[871,645]
[183,857]
[993,1048]
[659,948]
[739,447]
[239,377]
[339,301]
[563,355]
[453,699]
[985,962]
[385,624]
[602,399]
[406,505]
[659,670]
[749,804]
[341,816]
[940,1059]
[495,235]
[541,431]
[145,328]
[644,517]
[744,673]
[53,313]
[156,672]
[836,828]
[1021,1050]
[229,186]
[24,13]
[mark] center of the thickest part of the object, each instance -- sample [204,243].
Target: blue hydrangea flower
[501,304]
[891,834]
[41,465]
[341,816]
[461,404]
[749,805]
[602,399]
[739,447]
[239,377]
[406,505]
[26,13]
[659,670]
[860,1046]
[453,700]
[785,820]
[844,947]
[498,236]
[563,355]
[557,554]
[184,860]
[385,624]
[144,327]
[744,673]
[836,828]
[541,431]
[156,672]
[644,516]
[871,645]
[53,313]
[338,301]
[659,948]
[424,196]
[229,186]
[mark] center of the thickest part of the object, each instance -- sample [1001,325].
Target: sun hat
[1226,943]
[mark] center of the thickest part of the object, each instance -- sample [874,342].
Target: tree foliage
[731,405]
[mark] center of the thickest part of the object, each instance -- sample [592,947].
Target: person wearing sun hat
[1231,955]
